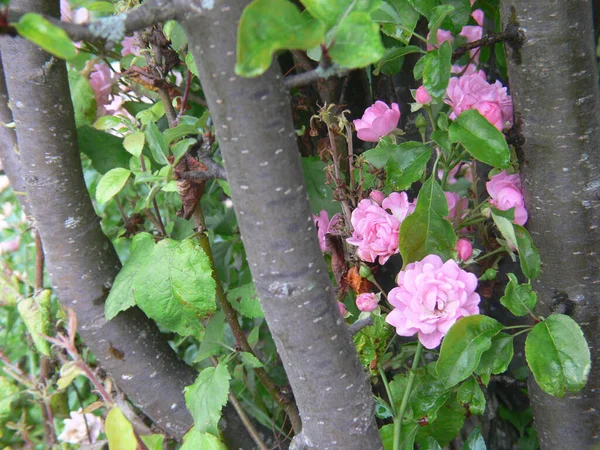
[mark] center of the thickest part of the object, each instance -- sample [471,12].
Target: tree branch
[512,35]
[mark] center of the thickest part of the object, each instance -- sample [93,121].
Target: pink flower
[422,96]
[458,207]
[80,15]
[377,121]
[10,246]
[464,249]
[342,308]
[102,80]
[76,430]
[474,92]
[506,193]
[431,296]
[375,229]
[322,223]
[464,169]
[367,302]
[377,196]
[478,16]
[130,46]
[442,36]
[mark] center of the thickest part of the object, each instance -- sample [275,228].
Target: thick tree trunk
[554,84]
[256,136]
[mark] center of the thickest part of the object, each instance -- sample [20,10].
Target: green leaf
[505,226]
[175,286]
[245,301]
[519,299]
[191,63]
[371,341]
[436,70]
[157,144]
[529,256]
[35,312]
[211,344]
[105,150]
[134,143]
[207,396]
[447,424]
[151,114]
[119,431]
[121,294]
[425,231]
[357,42]
[153,441]
[481,139]
[459,16]
[382,409]
[68,372]
[406,164]
[424,7]
[393,59]
[497,358]
[270,25]
[475,440]
[558,355]
[104,7]
[194,440]
[430,444]
[176,34]
[470,395]
[181,148]
[436,18]
[44,34]
[428,395]
[320,194]
[441,138]
[181,130]
[398,19]
[463,346]
[111,184]
[109,123]
[9,392]
[330,12]
[250,361]
[84,100]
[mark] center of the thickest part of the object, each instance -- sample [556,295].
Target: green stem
[409,384]
[498,250]
[387,389]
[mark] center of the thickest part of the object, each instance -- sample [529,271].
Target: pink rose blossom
[442,36]
[367,302]
[375,229]
[458,207]
[474,92]
[478,16]
[431,296]
[79,16]
[342,308]
[130,46]
[322,223]
[506,193]
[102,80]
[377,121]
[464,249]
[422,96]
[377,196]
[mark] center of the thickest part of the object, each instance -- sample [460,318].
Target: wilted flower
[474,92]
[76,432]
[431,296]
[506,193]
[377,121]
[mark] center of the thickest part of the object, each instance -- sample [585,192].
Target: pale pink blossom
[506,193]
[458,207]
[377,196]
[431,296]
[422,96]
[322,223]
[79,16]
[378,121]
[442,36]
[375,229]
[102,80]
[76,432]
[342,308]
[10,246]
[130,46]
[478,16]
[474,92]
[367,302]
[464,248]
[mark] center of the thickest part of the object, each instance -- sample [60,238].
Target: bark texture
[256,136]
[81,260]
[554,84]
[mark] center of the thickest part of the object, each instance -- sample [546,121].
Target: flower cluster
[377,121]
[472,91]
[376,222]
[506,193]
[431,296]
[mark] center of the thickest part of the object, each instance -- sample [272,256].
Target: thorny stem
[409,384]
[232,320]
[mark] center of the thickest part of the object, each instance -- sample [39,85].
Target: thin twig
[161,225]
[323,71]
[186,94]
[39,262]
[512,35]
[169,109]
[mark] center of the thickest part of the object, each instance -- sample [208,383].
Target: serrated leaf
[436,18]
[35,312]
[425,231]
[463,346]
[357,42]
[270,25]
[46,35]
[157,144]
[153,441]
[105,150]
[176,34]
[436,70]
[181,130]
[121,294]
[213,337]
[175,286]
[558,355]
[505,226]
[474,441]
[458,17]
[119,431]
[529,256]
[398,19]
[68,372]
[382,409]
[428,396]
[111,184]
[250,361]
[480,138]
[497,358]
[447,424]
[194,440]
[424,7]
[330,12]
[134,143]
[470,395]
[207,396]
[406,164]
[518,298]
[181,148]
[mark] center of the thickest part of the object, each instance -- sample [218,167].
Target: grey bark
[554,84]
[256,135]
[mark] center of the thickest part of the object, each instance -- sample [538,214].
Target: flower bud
[342,308]
[420,122]
[364,271]
[422,96]
[367,302]
[489,274]
[464,249]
